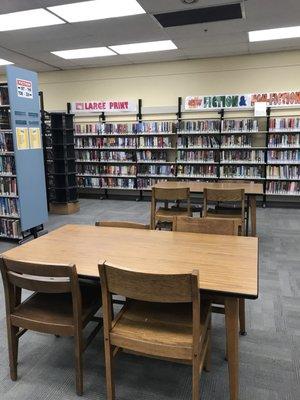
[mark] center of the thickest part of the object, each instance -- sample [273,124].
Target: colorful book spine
[201,126]
[240,125]
[241,172]
[284,124]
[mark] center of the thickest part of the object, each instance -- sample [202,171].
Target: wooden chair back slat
[171,194]
[217,226]
[148,287]
[228,195]
[122,224]
[37,277]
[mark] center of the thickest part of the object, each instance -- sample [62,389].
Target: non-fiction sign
[24,88]
[242,101]
[117,106]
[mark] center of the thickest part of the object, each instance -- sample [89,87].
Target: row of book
[283,188]
[126,128]
[156,141]
[9,207]
[196,156]
[147,183]
[10,228]
[6,142]
[99,142]
[285,124]
[240,125]
[106,169]
[285,140]
[283,172]
[236,141]
[90,182]
[200,126]
[255,156]
[167,170]
[95,155]
[284,156]
[8,186]
[7,165]
[200,171]
[241,171]
[151,156]
[197,141]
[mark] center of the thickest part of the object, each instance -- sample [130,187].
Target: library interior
[150,199]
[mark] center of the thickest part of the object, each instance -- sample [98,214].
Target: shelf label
[115,106]
[22,138]
[24,88]
[35,138]
[242,101]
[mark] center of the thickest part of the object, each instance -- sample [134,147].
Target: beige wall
[159,84]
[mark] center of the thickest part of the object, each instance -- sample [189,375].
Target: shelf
[7,153]
[10,216]
[243,133]
[197,162]
[284,148]
[187,133]
[105,188]
[104,135]
[283,179]
[283,194]
[252,178]
[197,176]
[107,176]
[242,163]
[285,131]
[4,175]
[156,162]
[9,196]
[198,148]
[156,176]
[155,148]
[105,148]
[283,163]
[105,161]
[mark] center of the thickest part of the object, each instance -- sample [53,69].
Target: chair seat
[158,329]
[224,214]
[167,214]
[53,313]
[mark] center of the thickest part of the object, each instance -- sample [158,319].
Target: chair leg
[110,385]
[207,361]
[242,317]
[13,342]
[196,378]
[78,363]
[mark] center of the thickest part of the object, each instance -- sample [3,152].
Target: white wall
[160,84]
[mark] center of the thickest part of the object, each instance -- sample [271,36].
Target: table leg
[252,200]
[232,333]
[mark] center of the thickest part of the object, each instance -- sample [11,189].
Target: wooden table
[228,265]
[251,191]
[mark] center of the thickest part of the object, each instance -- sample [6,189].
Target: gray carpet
[269,354]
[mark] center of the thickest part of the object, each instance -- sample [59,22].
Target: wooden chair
[150,325]
[225,196]
[165,214]
[59,306]
[216,226]
[122,224]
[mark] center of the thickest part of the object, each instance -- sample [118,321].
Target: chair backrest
[171,194]
[183,288]
[223,195]
[122,224]
[38,277]
[148,287]
[216,226]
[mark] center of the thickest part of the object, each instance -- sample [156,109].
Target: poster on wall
[112,106]
[35,138]
[241,101]
[22,138]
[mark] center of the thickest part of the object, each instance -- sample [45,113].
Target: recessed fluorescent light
[274,34]
[97,9]
[4,62]
[84,53]
[28,19]
[146,47]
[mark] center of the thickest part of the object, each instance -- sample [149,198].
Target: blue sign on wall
[28,147]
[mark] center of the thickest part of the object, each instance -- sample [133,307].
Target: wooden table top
[227,264]
[197,187]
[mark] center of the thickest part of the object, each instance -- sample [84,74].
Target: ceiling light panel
[84,53]
[146,47]
[28,19]
[274,34]
[4,62]
[97,9]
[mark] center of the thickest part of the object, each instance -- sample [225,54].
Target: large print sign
[242,101]
[104,106]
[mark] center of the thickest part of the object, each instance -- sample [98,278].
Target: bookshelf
[283,156]
[23,207]
[228,145]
